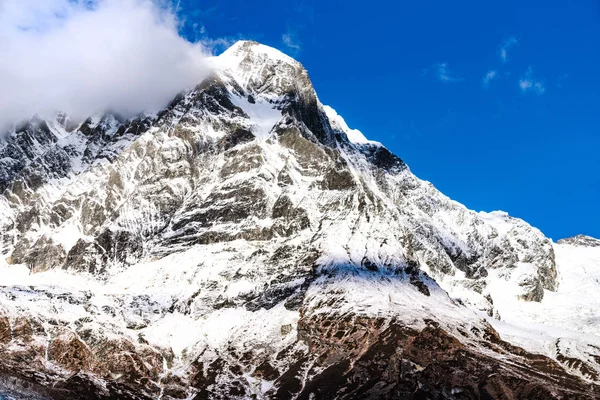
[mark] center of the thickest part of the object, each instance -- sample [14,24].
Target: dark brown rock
[69,352]
[5,331]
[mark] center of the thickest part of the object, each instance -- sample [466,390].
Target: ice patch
[262,113]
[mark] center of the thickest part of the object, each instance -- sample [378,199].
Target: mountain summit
[244,242]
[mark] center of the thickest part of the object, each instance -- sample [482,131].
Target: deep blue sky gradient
[496,148]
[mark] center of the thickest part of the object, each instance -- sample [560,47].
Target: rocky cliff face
[245,243]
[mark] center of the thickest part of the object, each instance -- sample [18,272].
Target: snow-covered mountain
[246,243]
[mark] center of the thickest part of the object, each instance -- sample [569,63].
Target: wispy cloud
[529,83]
[442,73]
[217,45]
[211,44]
[539,87]
[490,76]
[290,40]
[507,45]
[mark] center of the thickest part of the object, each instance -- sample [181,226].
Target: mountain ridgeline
[244,242]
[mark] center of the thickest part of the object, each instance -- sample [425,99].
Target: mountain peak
[261,69]
[581,241]
[243,49]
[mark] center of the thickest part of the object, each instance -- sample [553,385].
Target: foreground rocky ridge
[245,243]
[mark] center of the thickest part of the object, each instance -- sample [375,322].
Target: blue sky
[412,75]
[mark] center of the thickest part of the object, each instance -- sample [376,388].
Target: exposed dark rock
[85,257]
[419,284]
[308,154]
[42,256]
[532,289]
[382,158]
[395,362]
[240,136]
[243,160]
[5,331]
[338,180]
[70,353]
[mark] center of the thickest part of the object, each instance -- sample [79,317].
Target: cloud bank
[85,56]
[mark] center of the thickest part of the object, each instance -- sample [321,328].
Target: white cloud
[528,83]
[291,41]
[84,56]
[490,76]
[525,84]
[507,45]
[442,73]
[539,87]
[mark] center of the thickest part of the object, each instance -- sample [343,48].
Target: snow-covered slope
[246,243]
[566,323]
